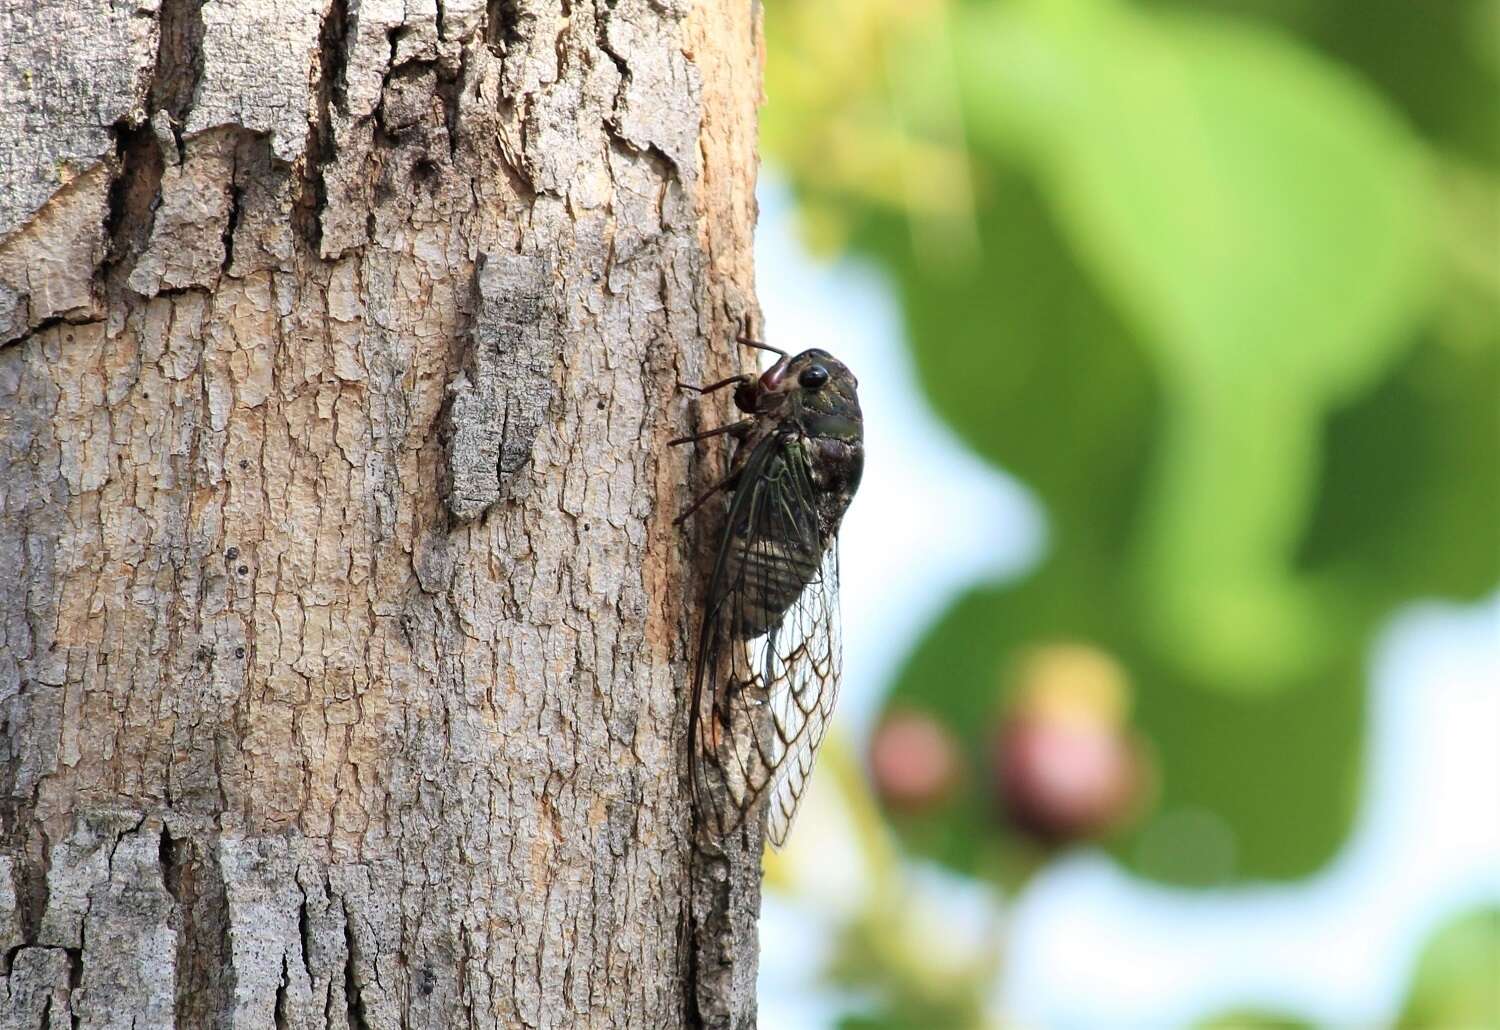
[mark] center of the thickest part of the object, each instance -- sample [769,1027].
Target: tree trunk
[343,623]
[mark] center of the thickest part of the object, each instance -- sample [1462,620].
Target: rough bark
[342,620]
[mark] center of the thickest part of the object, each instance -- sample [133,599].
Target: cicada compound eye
[813,377]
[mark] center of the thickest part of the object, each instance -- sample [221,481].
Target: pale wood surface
[342,621]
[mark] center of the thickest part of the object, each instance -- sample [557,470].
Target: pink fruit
[1066,764]
[913,760]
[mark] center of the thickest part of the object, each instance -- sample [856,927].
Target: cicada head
[813,387]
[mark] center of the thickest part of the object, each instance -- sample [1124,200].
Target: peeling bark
[343,624]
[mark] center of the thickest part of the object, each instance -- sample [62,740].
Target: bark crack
[355,1008]
[304,932]
[166,860]
[321,148]
[280,1009]
[139,164]
[232,222]
[134,194]
[179,62]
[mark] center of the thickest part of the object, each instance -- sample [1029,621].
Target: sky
[932,519]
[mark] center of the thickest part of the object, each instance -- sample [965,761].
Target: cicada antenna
[758,345]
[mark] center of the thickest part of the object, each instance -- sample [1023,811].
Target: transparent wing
[804,688]
[769,659]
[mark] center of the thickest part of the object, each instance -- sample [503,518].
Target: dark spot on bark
[502,28]
[233,552]
[423,171]
[395,34]
[239,652]
[244,463]
[243,569]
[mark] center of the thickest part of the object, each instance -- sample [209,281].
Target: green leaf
[1027,361]
[1457,982]
[1409,503]
[1439,63]
[1259,219]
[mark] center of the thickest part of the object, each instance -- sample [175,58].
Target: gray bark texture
[343,625]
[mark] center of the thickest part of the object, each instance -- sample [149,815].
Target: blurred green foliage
[1252,1020]
[1457,983]
[1220,282]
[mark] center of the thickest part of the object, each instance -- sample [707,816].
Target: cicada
[767,663]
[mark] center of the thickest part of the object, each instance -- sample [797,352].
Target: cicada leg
[711,387]
[736,428]
[728,480]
